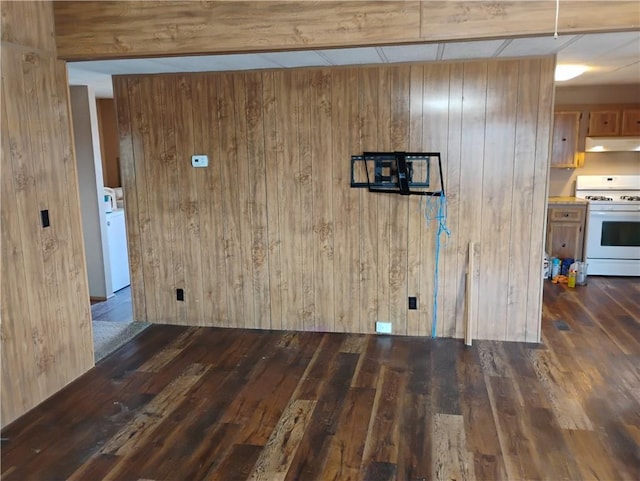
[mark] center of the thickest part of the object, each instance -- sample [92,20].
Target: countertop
[566,200]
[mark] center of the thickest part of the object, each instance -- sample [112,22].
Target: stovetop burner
[598,197]
[632,198]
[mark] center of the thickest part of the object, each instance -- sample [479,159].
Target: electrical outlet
[199,160]
[413,302]
[383,327]
[44,218]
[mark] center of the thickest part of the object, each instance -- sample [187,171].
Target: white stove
[612,246]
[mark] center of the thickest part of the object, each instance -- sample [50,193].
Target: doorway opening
[103,220]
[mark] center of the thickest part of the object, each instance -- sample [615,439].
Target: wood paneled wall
[46,321]
[270,235]
[109,146]
[92,30]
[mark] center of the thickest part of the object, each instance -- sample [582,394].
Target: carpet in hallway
[109,336]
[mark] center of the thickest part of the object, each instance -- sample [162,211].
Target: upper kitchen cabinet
[566,129]
[631,122]
[614,123]
[604,123]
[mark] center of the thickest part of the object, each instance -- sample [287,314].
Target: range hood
[612,144]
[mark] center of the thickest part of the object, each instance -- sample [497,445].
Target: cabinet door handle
[564,245]
[566,214]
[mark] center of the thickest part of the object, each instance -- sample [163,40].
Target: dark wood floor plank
[384,425]
[259,407]
[594,463]
[604,312]
[238,465]
[518,448]
[121,395]
[199,416]
[386,421]
[480,428]
[204,403]
[381,472]
[315,378]
[550,446]
[368,367]
[444,376]
[347,445]
[277,455]
[416,437]
[312,452]
[624,292]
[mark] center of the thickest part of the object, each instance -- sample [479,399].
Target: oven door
[613,235]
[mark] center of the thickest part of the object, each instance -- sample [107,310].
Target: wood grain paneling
[485,18]
[283,242]
[189,27]
[46,322]
[107,125]
[94,30]
[498,192]
[29,24]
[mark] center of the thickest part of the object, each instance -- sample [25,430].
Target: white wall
[87,144]
[598,94]
[563,181]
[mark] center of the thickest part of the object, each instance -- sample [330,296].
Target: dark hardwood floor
[200,403]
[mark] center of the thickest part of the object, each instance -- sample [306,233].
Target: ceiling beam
[126,29]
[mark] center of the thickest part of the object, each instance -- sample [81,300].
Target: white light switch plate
[199,160]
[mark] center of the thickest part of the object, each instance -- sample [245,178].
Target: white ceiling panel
[248,61]
[125,66]
[594,46]
[462,50]
[295,59]
[351,56]
[523,47]
[410,53]
[613,57]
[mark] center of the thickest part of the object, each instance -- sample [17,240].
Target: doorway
[103,221]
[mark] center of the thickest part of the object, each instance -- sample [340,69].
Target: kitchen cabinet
[565,230]
[614,123]
[604,123]
[564,153]
[631,122]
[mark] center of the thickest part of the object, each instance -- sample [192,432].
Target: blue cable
[441,217]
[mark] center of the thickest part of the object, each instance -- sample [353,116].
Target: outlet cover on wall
[383,327]
[199,160]
[413,302]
